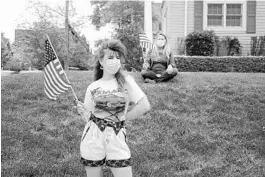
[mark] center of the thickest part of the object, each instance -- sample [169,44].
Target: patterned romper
[104,137]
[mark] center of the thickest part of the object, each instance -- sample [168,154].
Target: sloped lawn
[200,125]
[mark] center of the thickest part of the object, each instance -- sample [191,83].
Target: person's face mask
[112,66]
[161,41]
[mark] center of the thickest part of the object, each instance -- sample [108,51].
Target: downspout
[186,18]
[186,21]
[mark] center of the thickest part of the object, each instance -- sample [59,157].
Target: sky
[13,12]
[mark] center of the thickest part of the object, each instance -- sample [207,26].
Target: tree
[131,41]
[129,16]
[50,21]
[121,12]
[99,42]
[5,50]
[80,56]
[29,44]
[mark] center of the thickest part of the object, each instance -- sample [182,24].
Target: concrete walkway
[7,73]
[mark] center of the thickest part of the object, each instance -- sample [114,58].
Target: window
[215,15]
[224,15]
[233,15]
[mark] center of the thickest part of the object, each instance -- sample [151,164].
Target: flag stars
[49,53]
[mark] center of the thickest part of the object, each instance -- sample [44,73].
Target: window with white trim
[215,15]
[224,15]
[233,15]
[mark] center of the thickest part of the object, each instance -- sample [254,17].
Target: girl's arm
[136,96]
[147,60]
[139,109]
[85,109]
[172,60]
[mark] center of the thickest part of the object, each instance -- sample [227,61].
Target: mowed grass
[200,125]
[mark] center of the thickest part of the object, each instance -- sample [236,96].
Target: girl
[159,65]
[106,108]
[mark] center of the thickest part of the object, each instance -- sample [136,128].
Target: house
[240,18]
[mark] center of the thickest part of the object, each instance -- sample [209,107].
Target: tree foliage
[5,50]
[128,17]
[130,38]
[200,43]
[51,22]
[80,57]
[121,12]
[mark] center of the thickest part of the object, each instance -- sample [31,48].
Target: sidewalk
[7,73]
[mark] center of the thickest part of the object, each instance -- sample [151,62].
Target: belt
[102,124]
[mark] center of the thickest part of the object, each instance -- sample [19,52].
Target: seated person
[159,64]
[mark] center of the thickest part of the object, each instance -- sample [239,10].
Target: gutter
[186,18]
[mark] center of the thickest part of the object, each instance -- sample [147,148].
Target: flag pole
[76,99]
[66,63]
[74,33]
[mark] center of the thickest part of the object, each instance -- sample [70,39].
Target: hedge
[220,64]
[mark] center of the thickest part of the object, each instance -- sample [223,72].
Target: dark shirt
[159,62]
[159,66]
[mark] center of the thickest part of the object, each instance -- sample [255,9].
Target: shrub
[180,44]
[230,46]
[14,66]
[258,46]
[220,64]
[200,43]
[83,61]
[38,63]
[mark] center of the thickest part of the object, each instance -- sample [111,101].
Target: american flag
[54,76]
[145,43]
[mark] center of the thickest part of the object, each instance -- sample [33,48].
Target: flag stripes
[145,42]
[54,82]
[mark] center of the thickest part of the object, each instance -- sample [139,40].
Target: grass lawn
[200,125]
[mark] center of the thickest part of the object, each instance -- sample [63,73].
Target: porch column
[148,24]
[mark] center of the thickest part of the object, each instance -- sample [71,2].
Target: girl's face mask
[112,62]
[112,66]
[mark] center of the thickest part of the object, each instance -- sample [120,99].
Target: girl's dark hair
[110,45]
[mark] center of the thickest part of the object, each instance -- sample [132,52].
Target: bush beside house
[13,66]
[207,43]
[208,53]
[258,45]
[200,43]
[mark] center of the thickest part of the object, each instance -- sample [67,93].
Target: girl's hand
[82,111]
[169,69]
[80,108]
[145,66]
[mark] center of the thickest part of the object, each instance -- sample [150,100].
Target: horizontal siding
[175,28]
[260,18]
[242,36]
[175,23]
[190,14]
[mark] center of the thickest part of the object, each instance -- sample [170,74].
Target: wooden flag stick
[74,33]
[76,99]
